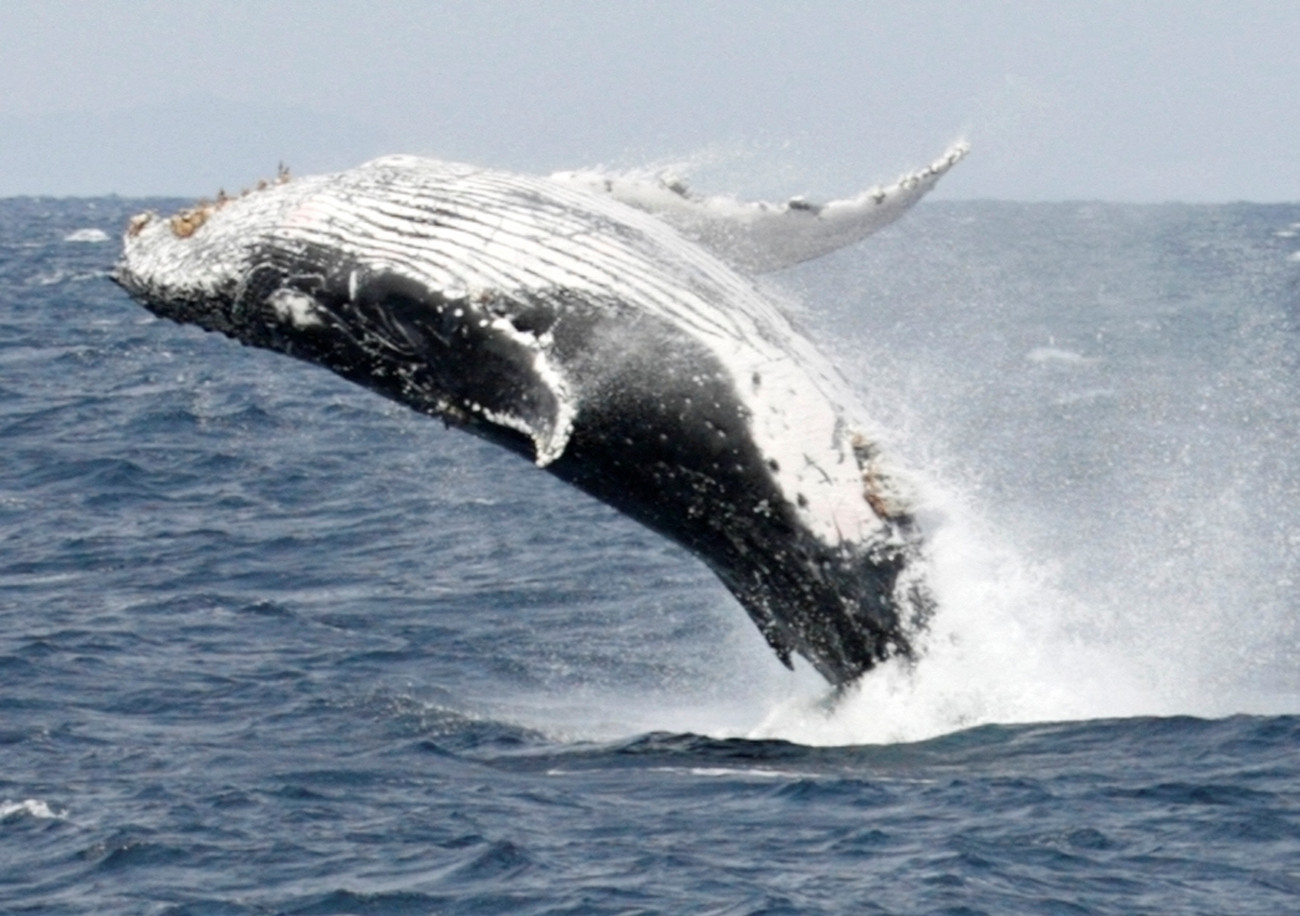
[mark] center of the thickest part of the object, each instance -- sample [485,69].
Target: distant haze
[1149,101]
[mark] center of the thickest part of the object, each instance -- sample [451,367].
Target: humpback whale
[605,328]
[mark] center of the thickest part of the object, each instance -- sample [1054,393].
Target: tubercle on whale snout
[184,223]
[135,225]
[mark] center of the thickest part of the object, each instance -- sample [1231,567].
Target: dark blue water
[269,644]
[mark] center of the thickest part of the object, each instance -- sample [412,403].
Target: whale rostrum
[601,329]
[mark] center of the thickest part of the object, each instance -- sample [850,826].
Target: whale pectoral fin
[760,237]
[460,359]
[545,412]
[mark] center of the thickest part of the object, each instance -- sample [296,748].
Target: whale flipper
[503,373]
[758,237]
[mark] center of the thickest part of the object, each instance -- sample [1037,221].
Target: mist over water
[1099,401]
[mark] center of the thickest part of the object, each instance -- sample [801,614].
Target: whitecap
[87,235]
[66,276]
[31,807]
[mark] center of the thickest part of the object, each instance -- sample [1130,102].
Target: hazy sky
[1151,100]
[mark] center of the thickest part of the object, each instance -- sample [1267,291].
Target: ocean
[271,644]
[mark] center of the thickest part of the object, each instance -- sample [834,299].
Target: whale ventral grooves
[599,328]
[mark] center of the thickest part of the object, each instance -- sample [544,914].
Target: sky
[1144,100]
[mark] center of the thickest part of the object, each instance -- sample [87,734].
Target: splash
[1006,646]
[31,807]
[1093,556]
[1013,643]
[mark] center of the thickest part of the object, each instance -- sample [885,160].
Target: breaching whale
[600,326]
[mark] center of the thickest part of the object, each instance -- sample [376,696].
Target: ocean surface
[270,644]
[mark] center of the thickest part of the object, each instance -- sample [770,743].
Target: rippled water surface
[269,644]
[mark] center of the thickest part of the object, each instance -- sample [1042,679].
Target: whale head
[193,267]
[291,267]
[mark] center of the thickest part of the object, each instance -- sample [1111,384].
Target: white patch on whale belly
[295,308]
